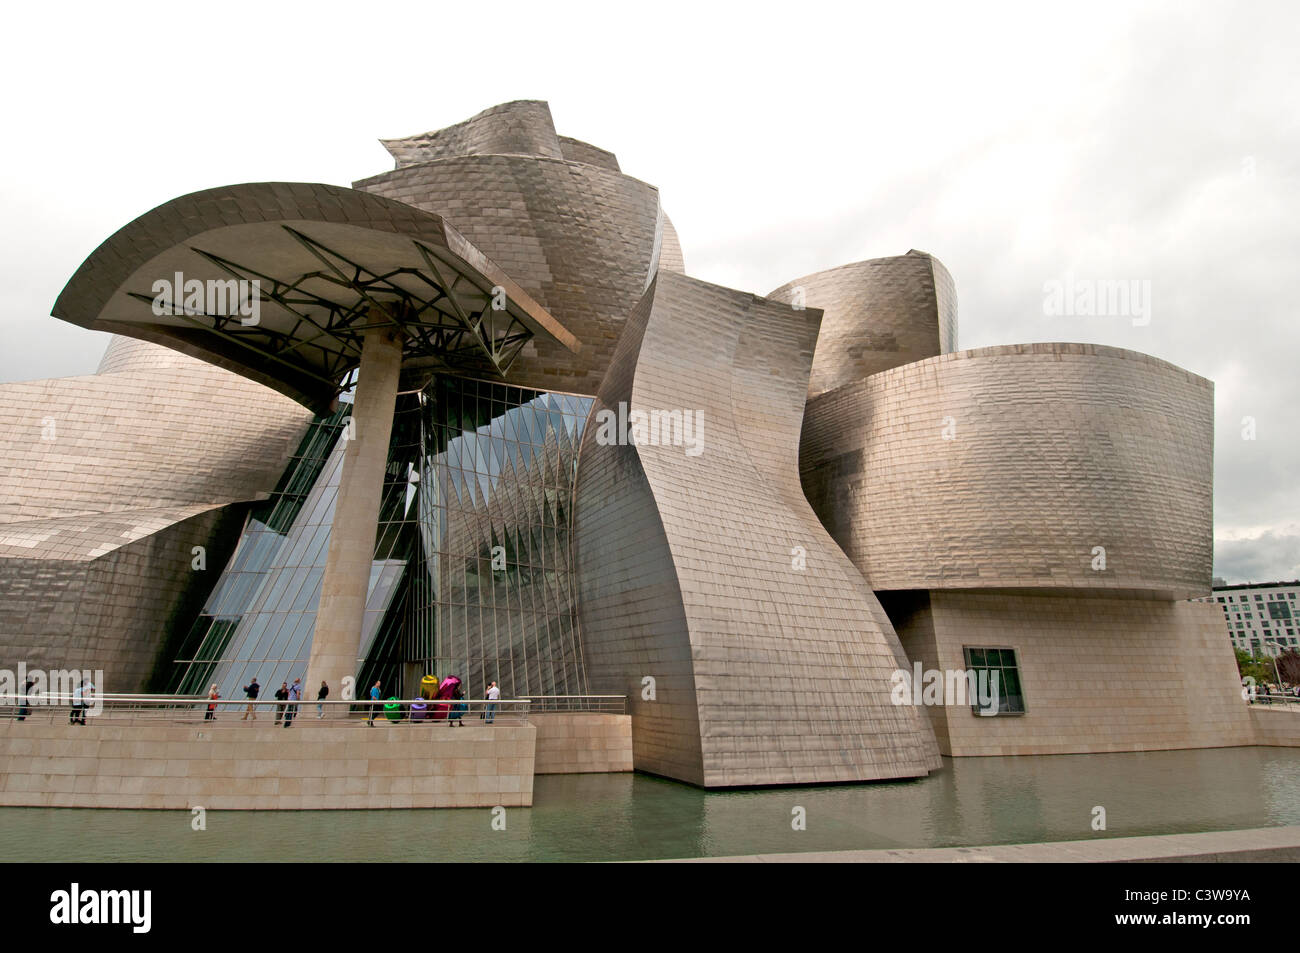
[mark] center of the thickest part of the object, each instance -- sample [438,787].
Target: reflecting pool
[635,817]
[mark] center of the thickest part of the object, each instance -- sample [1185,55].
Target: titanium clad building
[472,417]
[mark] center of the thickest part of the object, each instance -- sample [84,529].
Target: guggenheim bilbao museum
[472,415]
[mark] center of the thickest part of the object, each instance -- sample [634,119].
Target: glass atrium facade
[472,573]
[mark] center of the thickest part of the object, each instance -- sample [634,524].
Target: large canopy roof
[328,263]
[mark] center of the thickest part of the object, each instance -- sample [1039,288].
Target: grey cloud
[1270,557]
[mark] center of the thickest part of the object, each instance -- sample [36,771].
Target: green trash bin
[393,709]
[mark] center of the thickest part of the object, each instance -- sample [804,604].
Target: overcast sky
[1019,144]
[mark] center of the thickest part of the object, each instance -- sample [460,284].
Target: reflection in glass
[472,574]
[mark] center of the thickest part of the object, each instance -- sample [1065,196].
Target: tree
[1259,669]
[1288,664]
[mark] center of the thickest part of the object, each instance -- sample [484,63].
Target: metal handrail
[187,709]
[64,698]
[603,704]
[1273,699]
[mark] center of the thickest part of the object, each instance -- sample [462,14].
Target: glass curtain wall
[249,625]
[472,572]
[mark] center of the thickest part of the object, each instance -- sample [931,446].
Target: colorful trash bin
[393,709]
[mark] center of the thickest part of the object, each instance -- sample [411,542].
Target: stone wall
[1276,726]
[1099,673]
[231,765]
[582,743]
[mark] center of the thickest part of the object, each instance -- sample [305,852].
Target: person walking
[211,713]
[322,694]
[458,710]
[490,711]
[295,697]
[374,704]
[24,709]
[251,690]
[87,698]
[80,702]
[281,695]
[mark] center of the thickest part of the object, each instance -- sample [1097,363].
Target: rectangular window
[1002,664]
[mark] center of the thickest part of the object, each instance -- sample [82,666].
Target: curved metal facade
[709,572]
[108,483]
[495,203]
[581,239]
[157,430]
[521,127]
[328,262]
[879,314]
[1005,467]
[670,250]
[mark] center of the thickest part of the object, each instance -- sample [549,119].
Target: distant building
[1259,613]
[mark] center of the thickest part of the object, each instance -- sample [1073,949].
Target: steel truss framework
[445,318]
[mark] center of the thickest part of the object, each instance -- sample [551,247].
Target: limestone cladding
[239,767]
[1099,673]
[582,742]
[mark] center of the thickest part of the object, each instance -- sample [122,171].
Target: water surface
[634,817]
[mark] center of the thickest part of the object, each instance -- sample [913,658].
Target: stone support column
[345,585]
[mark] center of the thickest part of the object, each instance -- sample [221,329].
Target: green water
[633,817]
